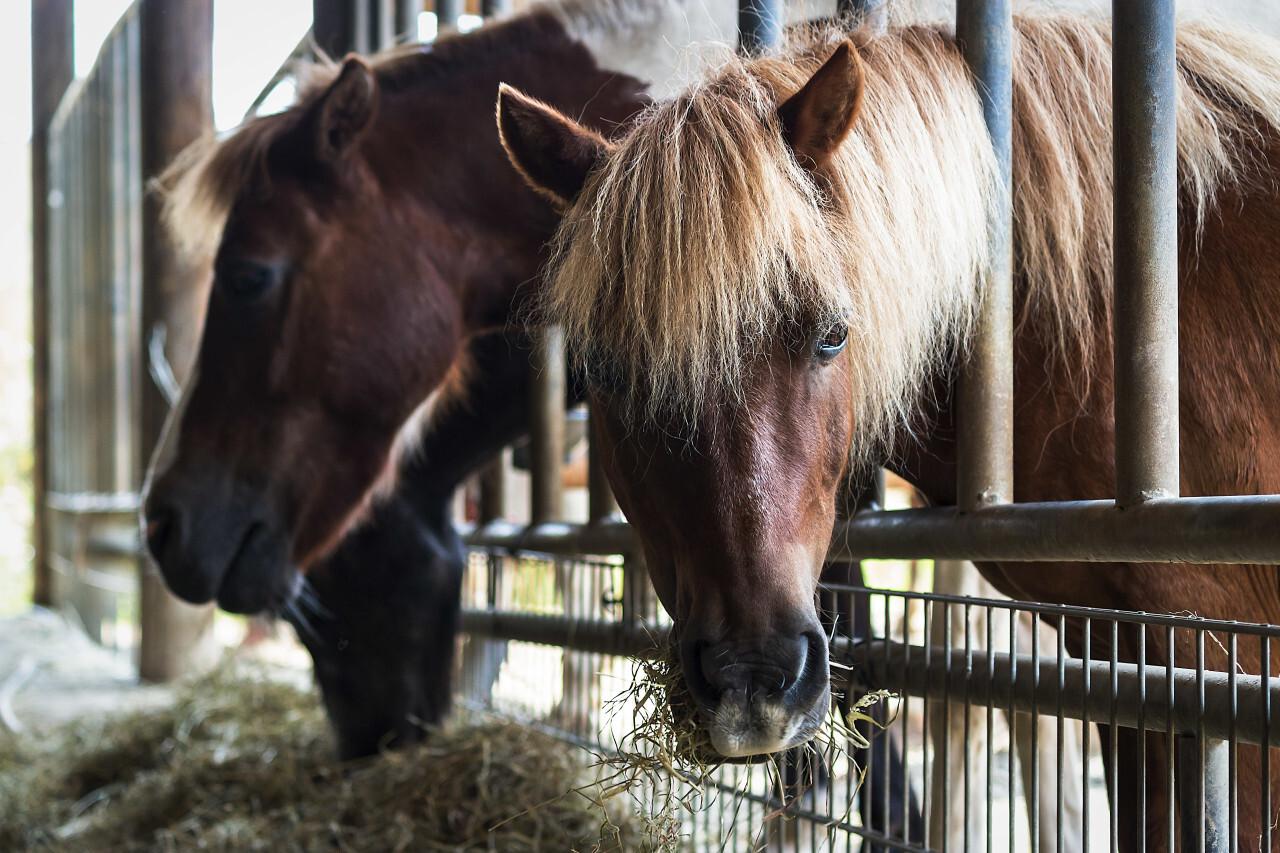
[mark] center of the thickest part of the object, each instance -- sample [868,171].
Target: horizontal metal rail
[1020,682]
[1167,530]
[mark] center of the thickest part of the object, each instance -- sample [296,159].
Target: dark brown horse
[361,237]
[782,264]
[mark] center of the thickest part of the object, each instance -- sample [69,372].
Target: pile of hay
[242,762]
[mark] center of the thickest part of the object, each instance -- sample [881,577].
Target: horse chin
[746,732]
[260,578]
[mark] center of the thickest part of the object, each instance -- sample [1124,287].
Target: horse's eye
[832,343]
[245,280]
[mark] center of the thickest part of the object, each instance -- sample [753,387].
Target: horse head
[313,354]
[724,407]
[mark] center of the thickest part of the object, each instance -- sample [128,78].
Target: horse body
[713,326]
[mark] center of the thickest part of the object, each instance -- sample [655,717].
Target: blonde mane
[701,239]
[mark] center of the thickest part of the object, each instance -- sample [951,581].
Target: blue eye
[832,343]
[243,280]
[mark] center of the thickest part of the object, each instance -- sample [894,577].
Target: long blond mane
[701,239]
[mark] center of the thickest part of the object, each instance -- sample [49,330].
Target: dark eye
[245,280]
[832,343]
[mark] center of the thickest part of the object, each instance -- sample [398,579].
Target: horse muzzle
[760,696]
[217,539]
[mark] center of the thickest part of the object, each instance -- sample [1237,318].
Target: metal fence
[95,309]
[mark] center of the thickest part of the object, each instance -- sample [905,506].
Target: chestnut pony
[769,278]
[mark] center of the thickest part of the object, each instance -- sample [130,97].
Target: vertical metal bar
[1087,655]
[489,8]
[51,74]
[448,12]
[1062,723]
[493,490]
[1233,796]
[985,448]
[601,504]
[407,12]
[874,13]
[333,26]
[1113,774]
[760,25]
[1144,90]
[175,65]
[546,439]
[1171,790]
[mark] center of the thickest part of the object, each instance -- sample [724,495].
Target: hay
[242,762]
[666,765]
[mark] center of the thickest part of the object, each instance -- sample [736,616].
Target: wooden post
[51,73]
[176,62]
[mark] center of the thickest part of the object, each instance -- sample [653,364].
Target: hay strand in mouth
[666,766]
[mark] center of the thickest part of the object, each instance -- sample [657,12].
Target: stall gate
[95,333]
[975,681]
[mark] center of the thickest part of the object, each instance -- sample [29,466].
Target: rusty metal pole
[985,452]
[51,73]
[176,41]
[1146,251]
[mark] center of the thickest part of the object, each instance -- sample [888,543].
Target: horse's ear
[552,151]
[817,119]
[346,108]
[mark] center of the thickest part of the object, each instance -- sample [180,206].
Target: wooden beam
[176,61]
[52,69]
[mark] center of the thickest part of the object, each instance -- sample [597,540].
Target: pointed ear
[553,152]
[345,109]
[817,119]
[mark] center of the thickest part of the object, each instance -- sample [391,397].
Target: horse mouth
[257,580]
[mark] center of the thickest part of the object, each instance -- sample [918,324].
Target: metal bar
[51,75]
[334,26]
[407,12]
[1189,530]
[1021,682]
[489,8]
[1144,94]
[493,490]
[1173,530]
[760,25]
[448,12]
[546,438]
[1140,699]
[601,503]
[175,65]
[984,30]
[1203,785]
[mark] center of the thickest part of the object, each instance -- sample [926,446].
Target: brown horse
[770,277]
[359,239]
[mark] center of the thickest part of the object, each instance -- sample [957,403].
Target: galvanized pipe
[1020,682]
[984,30]
[1140,700]
[407,12]
[1144,92]
[760,25]
[1204,782]
[546,430]
[1171,530]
